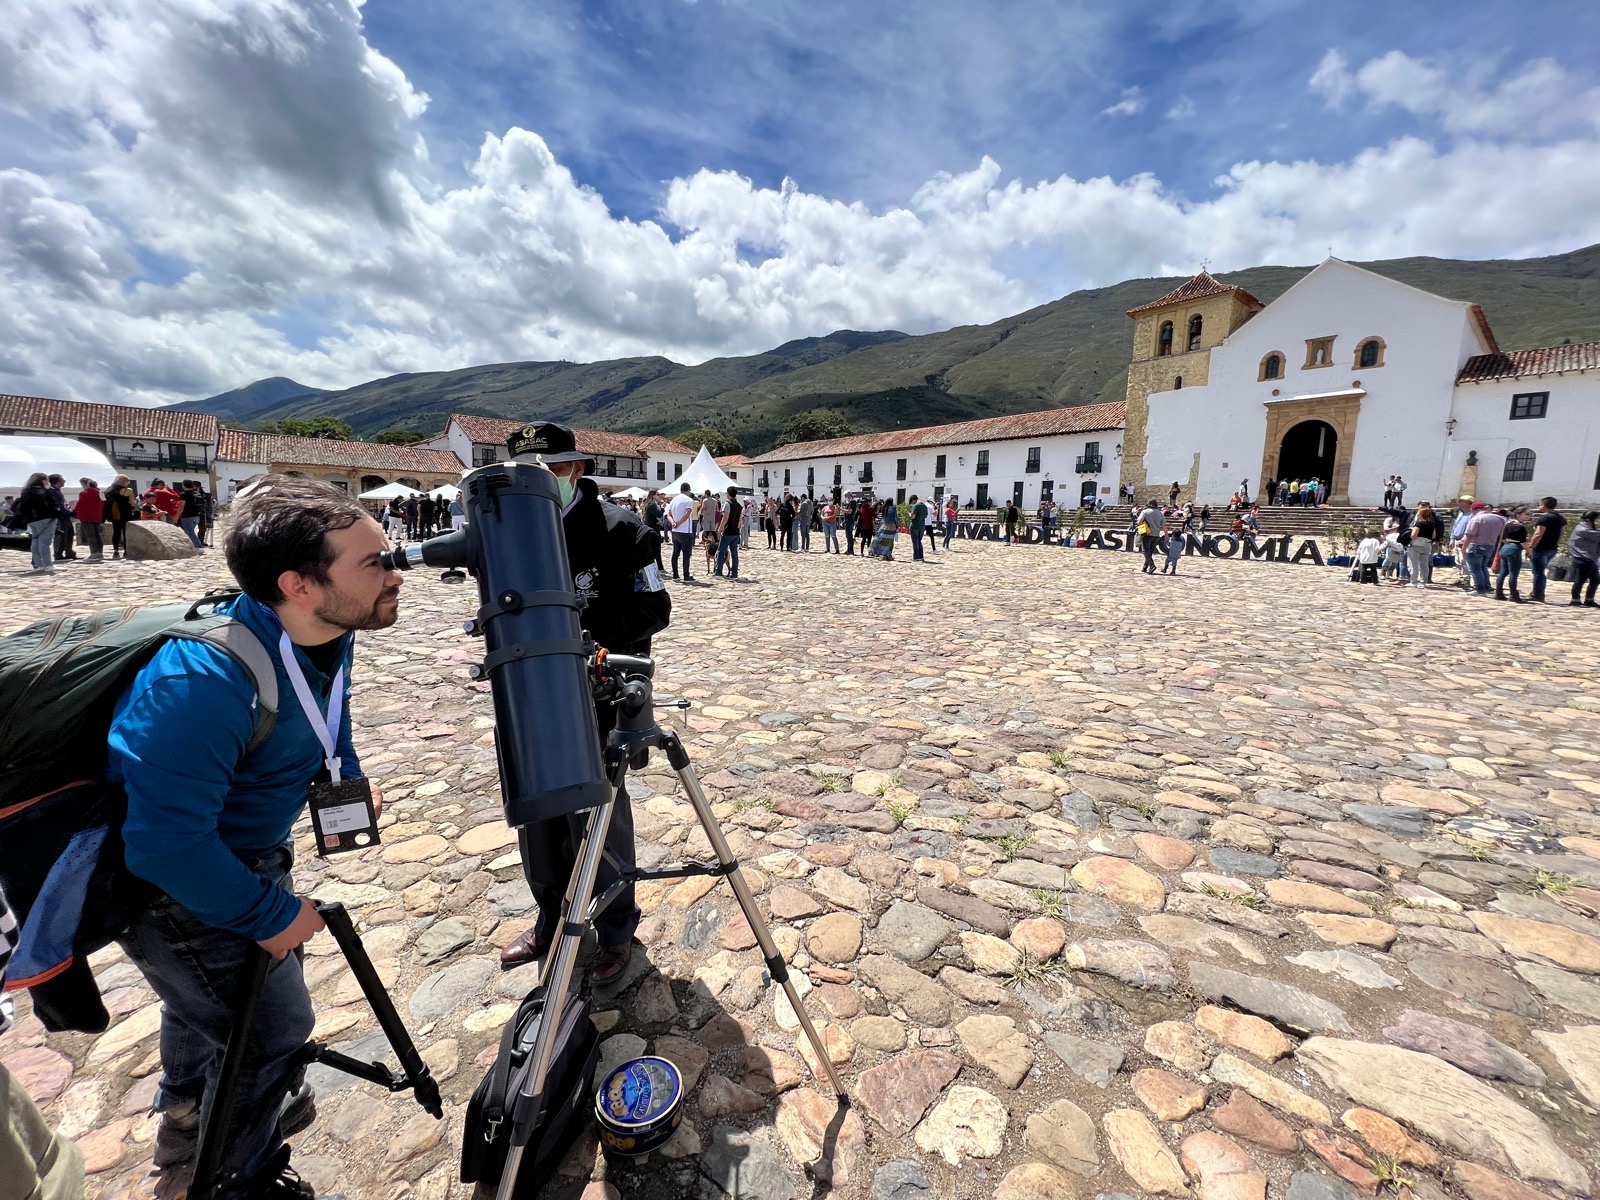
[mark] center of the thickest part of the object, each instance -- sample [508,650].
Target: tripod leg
[528,1108]
[219,1122]
[776,966]
[344,932]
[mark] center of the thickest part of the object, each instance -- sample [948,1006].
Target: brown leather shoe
[528,948]
[610,963]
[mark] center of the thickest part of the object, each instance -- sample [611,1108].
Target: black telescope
[537,662]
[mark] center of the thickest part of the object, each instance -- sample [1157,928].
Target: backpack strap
[239,642]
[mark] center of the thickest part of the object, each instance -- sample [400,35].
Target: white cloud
[1182,110]
[1133,102]
[197,182]
[1542,98]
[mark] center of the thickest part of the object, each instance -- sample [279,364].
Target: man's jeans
[187,524]
[43,534]
[916,543]
[682,543]
[728,549]
[1539,560]
[1478,559]
[805,534]
[196,970]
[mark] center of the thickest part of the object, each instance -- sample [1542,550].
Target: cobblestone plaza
[1246,882]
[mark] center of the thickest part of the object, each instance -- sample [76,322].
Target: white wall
[1058,455]
[226,478]
[1408,399]
[1566,440]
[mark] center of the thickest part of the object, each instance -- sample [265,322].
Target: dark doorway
[1016,494]
[1308,452]
[1086,493]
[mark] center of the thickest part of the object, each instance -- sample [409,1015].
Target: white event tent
[390,491]
[22,455]
[704,475]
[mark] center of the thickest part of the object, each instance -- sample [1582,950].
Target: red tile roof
[493,431]
[1198,288]
[36,413]
[732,460]
[274,449]
[1544,360]
[1083,419]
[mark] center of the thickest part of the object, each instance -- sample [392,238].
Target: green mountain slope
[252,402]
[1068,352]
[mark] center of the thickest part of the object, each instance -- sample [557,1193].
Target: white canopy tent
[704,475]
[445,491]
[631,493]
[22,455]
[389,491]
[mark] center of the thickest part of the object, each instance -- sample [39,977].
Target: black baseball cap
[551,442]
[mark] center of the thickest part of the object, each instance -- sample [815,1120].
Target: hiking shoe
[278,1181]
[178,1135]
[611,962]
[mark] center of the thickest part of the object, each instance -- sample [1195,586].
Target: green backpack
[61,853]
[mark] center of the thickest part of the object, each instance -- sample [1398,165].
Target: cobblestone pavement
[1245,882]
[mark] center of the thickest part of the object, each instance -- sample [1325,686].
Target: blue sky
[194,195]
[865,101]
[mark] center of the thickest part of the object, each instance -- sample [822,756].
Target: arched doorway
[1308,451]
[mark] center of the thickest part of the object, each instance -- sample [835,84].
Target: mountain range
[1070,351]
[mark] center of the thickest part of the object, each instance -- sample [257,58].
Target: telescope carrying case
[569,1098]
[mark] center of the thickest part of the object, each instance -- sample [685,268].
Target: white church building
[1351,377]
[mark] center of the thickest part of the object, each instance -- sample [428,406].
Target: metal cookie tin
[639,1105]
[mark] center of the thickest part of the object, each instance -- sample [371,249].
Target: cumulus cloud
[1541,98]
[197,178]
[1133,102]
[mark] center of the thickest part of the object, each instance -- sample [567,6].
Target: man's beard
[342,612]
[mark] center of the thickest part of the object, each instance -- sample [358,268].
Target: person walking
[36,510]
[1147,525]
[888,530]
[786,511]
[747,520]
[728,518]
[807,507]
[1011,515]
[1425,529]
[1509,556]
[1545,543]
[193,511]
[1583,548]
[680,517]
[1269,492]
[769,521]
[866,516]
[64,531]
[952,513]
[1174,548]
[90,511]
[120,508]
[919,523]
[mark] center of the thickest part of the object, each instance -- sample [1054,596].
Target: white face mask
[568,488]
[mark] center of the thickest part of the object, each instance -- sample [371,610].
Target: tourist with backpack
[209,818]
[121,506]
[35,511]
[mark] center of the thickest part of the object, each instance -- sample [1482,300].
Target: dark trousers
[196,969]
[549,853]
[1585,570]
[1147,543]
[916,543]
[1539,560]
[119,536]
[682,543]
[64,538]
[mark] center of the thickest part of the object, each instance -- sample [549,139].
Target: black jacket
[613,559]
[37,503]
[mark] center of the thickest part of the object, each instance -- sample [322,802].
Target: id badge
[341,816]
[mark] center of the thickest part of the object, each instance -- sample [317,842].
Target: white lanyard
[326,728]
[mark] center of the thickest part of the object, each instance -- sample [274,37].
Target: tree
[398,437]
[715,440]
[817,425]
[330,428]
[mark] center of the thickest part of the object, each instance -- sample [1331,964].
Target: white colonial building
[1061,454]
[1350,377]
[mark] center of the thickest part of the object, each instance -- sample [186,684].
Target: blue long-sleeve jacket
[178,738]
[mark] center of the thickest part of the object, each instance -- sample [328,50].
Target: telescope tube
[546,736]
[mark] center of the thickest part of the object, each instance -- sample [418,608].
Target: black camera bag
[569,1092]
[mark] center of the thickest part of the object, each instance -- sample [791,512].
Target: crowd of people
[1489,545]
[422,516]
[55,525]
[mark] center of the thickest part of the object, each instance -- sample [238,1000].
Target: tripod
[625,680]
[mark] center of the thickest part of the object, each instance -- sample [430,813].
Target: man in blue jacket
[209,825]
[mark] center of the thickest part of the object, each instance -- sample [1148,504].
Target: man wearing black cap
[613,557]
